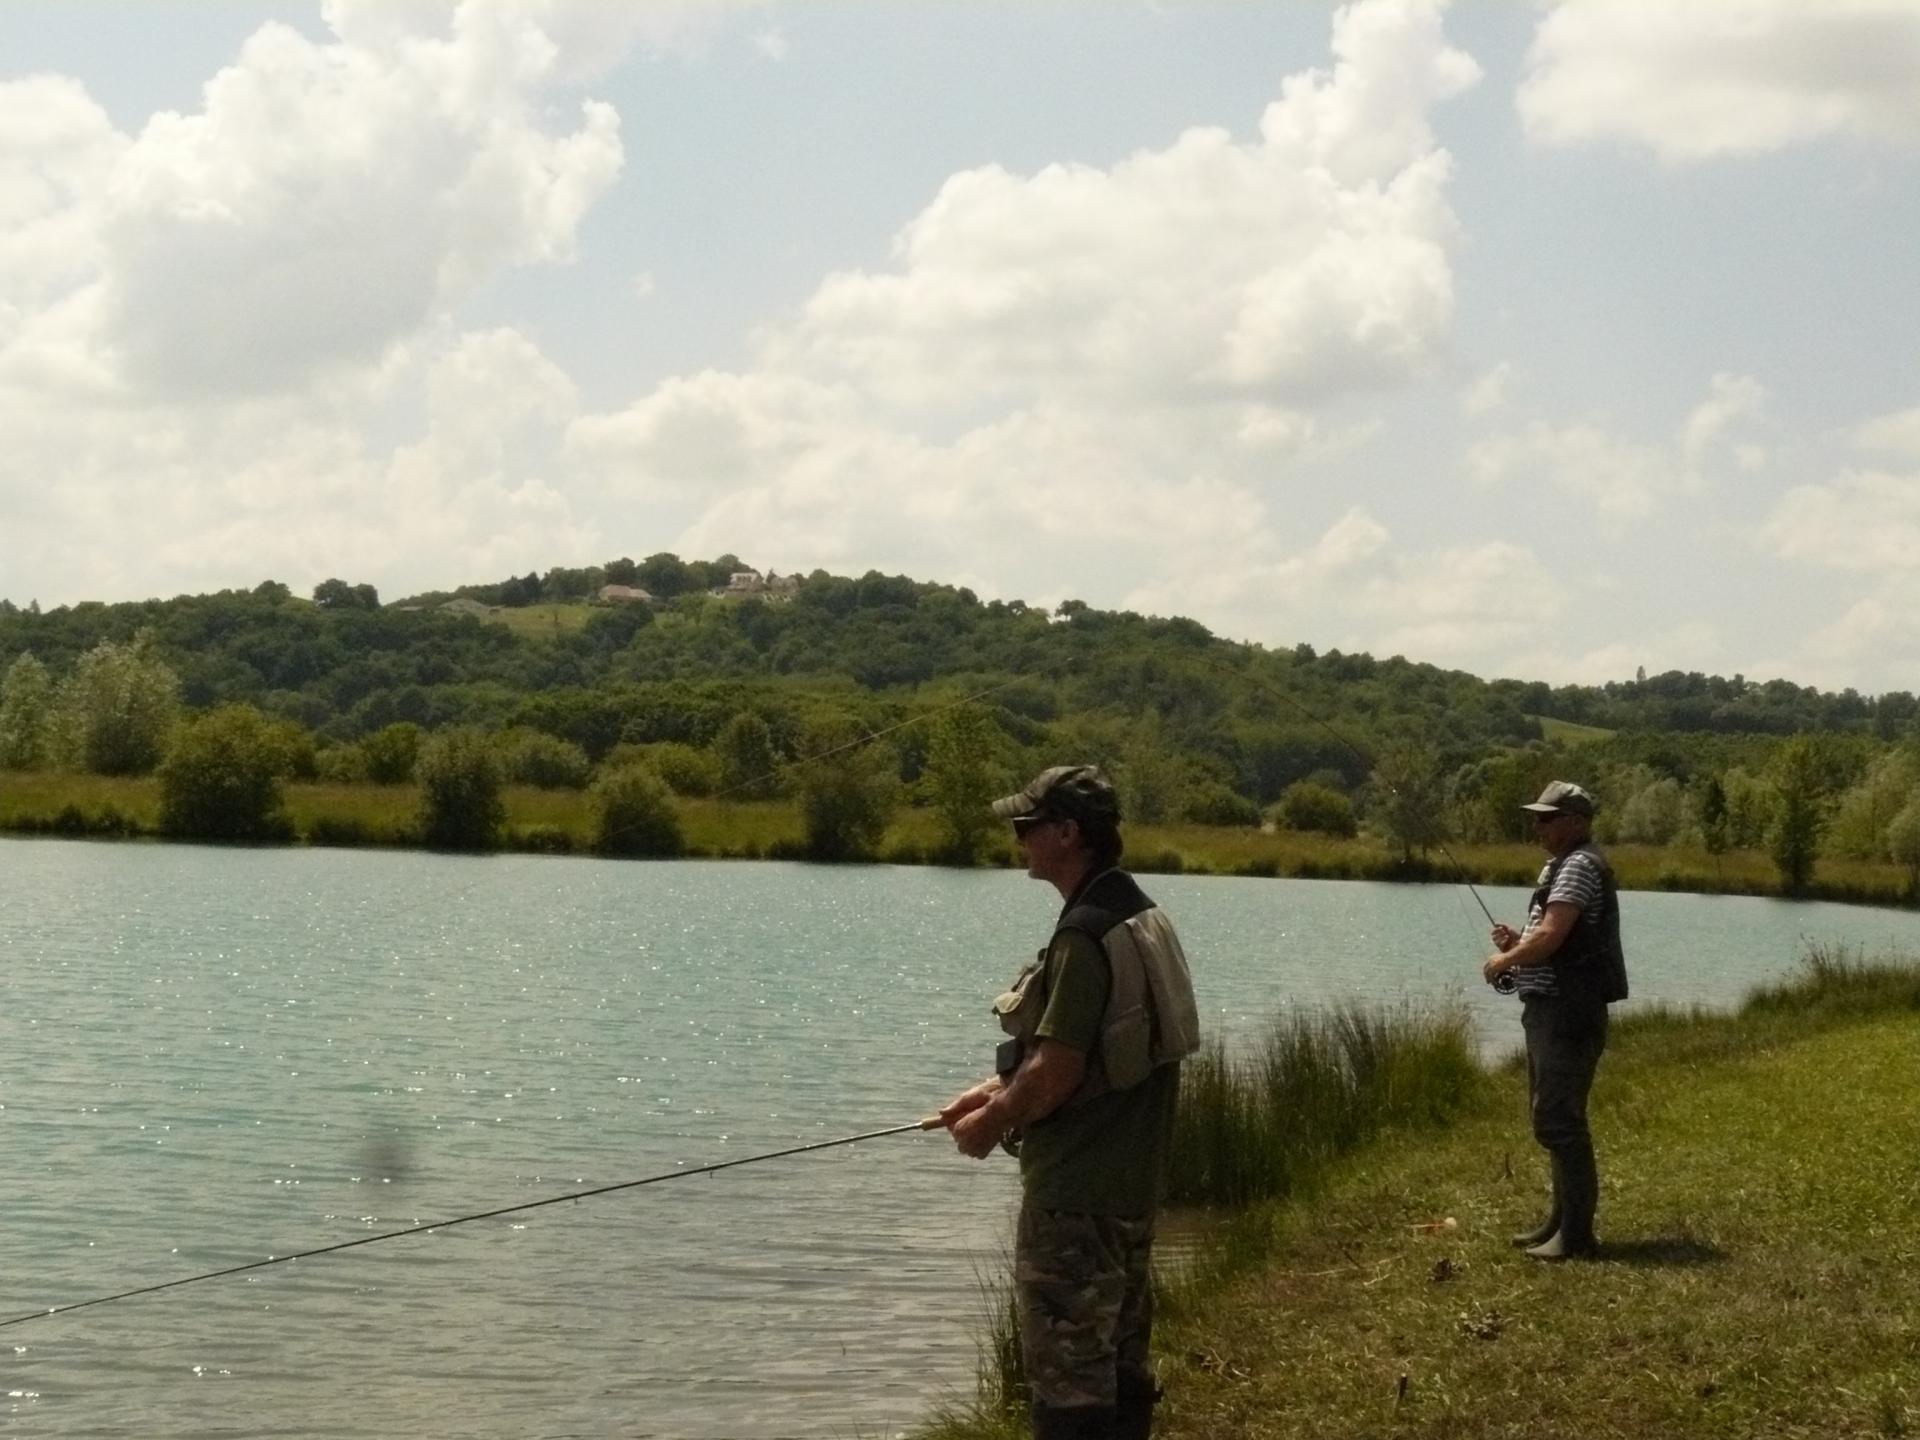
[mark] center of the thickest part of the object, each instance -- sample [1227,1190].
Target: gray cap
[1076,792]
[1562,797]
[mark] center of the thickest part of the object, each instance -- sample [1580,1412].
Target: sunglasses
[1025,825]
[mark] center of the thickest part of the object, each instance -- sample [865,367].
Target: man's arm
[984,1115]
[1556,924]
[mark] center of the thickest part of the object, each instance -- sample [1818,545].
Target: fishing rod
[1367,759]
[932,1122]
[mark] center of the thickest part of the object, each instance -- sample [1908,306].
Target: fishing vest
[1588,966]
[1151,1018]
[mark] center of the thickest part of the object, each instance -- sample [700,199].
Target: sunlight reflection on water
[222,1054]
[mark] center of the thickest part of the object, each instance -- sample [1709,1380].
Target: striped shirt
[1578,883]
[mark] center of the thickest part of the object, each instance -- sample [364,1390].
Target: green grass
[543,622]
[1569,732]
[1758,1215]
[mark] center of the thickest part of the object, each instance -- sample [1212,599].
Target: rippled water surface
[210,1056]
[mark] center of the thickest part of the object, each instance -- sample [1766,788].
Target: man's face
[1050,844]
[1557,832]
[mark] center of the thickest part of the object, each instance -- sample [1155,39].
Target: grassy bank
[561,821]
[1759,1221]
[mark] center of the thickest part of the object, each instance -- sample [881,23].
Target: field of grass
[562,821]
[1568,732]
[543,622]
[1760,1246]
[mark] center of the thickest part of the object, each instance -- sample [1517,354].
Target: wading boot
[1579,1196]
[1073,1422]
[1549,1227]
[1133,1415]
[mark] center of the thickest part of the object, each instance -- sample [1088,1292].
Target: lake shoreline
[560,822]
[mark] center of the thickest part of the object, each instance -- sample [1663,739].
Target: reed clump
[1263,1123]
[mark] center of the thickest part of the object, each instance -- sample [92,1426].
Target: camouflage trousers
[1085,1304]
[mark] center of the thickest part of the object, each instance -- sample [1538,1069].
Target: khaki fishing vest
[1151,1017]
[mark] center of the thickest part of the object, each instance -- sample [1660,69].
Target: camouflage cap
[1077,792]
[1562,797]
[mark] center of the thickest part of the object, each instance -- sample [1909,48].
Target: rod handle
[933,1122]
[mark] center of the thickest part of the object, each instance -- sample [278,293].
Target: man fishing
[1567,966]
[1085,1095]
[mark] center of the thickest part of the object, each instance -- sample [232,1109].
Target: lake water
[209,1056]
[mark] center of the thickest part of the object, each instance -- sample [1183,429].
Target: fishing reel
[1504,983]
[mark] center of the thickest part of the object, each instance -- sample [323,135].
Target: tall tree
[26,715]
[119,703]
[961,780]
[848,795]
[1793,840]
[1407,799]
[747,758]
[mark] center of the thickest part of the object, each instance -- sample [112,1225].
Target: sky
[1551,341]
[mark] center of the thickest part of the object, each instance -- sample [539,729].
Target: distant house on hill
[466,606]
[745,582]
[624,595]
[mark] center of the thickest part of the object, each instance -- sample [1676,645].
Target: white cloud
[1096,376]
[1463,603]
[327,201]
[1310,262]
[771,44]
[1623,479]
[1731,399]
[1860,520]
[1895,434]
[1627,479]
[1876,635]
[1488,392]
[1723,77]
[1690,645]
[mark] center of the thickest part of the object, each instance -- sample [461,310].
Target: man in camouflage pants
[1086,1086]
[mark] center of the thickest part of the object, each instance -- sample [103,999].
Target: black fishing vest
[1151,1017]
[1588,966]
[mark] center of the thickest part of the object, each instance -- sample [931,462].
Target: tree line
[714,696]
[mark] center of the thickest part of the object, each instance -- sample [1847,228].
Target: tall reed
[1262,1124]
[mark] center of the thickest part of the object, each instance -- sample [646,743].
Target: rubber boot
[1073,1422]
[1549,1227]
[1579,1197]
[1133,1415]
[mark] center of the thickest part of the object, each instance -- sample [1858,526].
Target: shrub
[342,765]
[1320,809]
[1211,803]
[846,798]
[544,840]
[687,771]
[391,753]
[335,830]
[460,783]
[533,757]
[634,814]
[221,778]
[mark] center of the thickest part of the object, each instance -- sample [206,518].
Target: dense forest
[1196,727]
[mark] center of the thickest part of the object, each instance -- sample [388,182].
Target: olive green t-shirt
[1103,1156]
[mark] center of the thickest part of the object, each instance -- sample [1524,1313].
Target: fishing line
[859,740]
[1367,759]
[930,1123]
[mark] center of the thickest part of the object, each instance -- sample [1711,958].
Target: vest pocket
[1126,1047]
